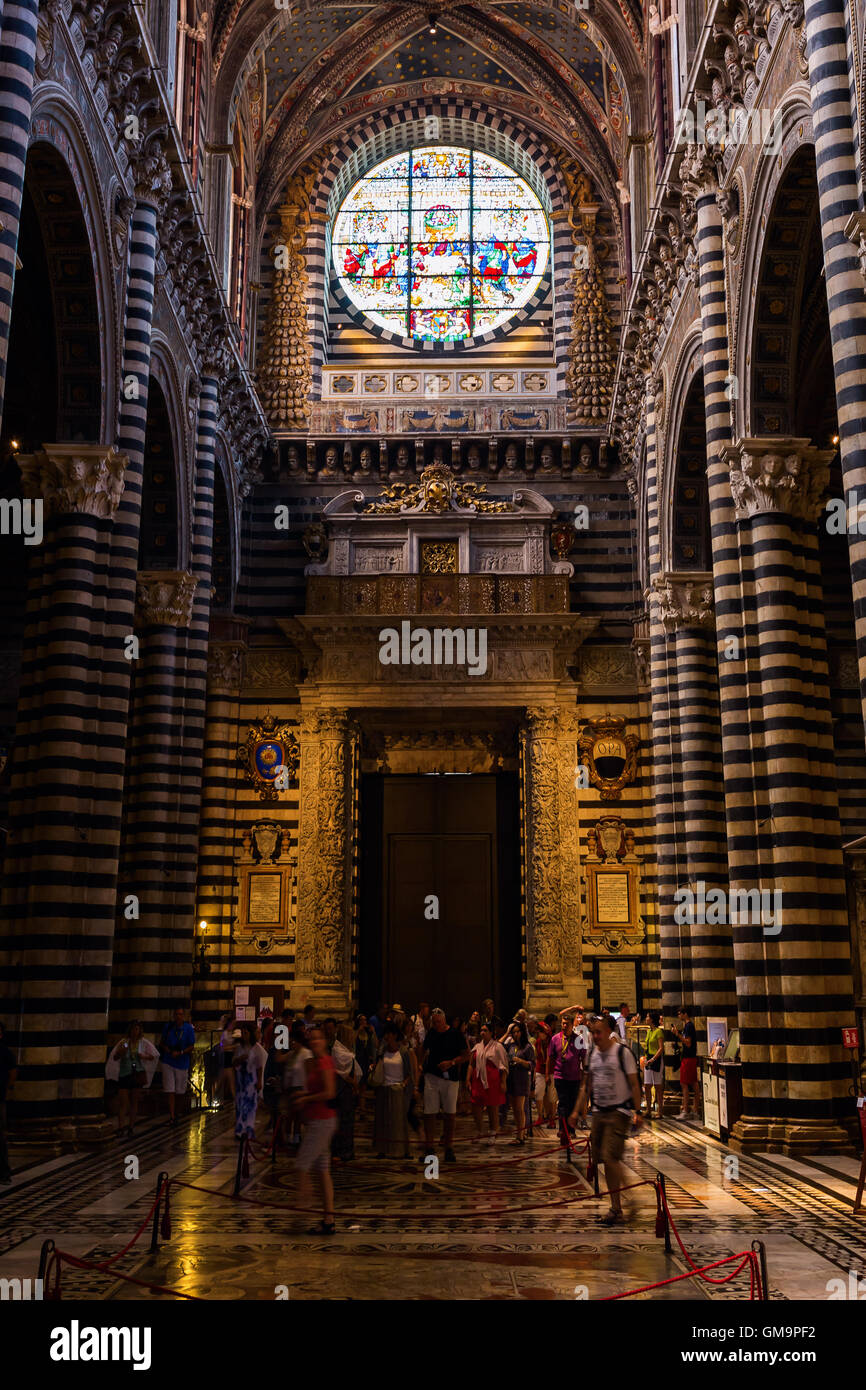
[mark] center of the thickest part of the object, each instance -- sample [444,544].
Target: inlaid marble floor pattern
[503,1224]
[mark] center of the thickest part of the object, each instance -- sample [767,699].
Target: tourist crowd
[575,1070]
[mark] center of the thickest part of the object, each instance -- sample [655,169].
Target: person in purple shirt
[565,1064]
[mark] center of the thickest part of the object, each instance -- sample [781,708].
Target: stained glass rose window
[440,244]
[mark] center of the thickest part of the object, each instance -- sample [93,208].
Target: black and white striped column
[17,63]
[684,605]
[834,121]
[666,756]
[792,948]
[60,872]
[156,893]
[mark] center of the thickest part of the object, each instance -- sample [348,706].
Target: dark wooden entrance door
[446,846]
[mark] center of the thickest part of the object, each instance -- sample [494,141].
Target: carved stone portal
[551,854]
[328,753]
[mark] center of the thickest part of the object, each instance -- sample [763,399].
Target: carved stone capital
[151,177]
[333,723]
[542,721]
[69,478]
[164,597]
[216,357]
[683,600]
[699,173]
[778,475]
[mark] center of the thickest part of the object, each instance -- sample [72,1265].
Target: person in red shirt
[317,1102]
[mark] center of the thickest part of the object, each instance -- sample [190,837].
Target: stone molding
[75,478]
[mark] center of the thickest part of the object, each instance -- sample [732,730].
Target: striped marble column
[666,754]
[698,176]
[192,756]
[17,63]
[834,121]
[792,950]
[218,843]
[684,604]
[60,873]
[156,893]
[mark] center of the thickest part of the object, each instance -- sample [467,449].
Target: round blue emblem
[268,759]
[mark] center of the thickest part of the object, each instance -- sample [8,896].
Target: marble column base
[792,1137]
[544,999]
[64,1132]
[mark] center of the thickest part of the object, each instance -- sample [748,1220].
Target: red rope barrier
[745,1257]
[387,1216]
[686,1256]
[104,1264]
[115,1274]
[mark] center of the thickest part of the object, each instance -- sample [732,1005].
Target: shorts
[689,1071]
[608,1133]
[174,1079]
[653,1078]
[440,1094]
[128,1083]
[314,1154]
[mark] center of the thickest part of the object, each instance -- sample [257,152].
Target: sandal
[324,1228]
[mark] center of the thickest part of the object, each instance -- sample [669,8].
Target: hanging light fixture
[433,22]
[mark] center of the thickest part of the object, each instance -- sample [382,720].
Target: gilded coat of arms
[610,755]
[269,757]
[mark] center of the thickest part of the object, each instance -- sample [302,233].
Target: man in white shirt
[422,1023]
[611,1078]
[624,1016]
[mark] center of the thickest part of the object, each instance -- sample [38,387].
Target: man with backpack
[611,1079]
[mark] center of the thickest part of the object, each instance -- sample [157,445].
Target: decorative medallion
[406,384]
[503,382]
[471,381]
[610,755]
[374,384]
[271,748]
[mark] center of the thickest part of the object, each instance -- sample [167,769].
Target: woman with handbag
[392,1079]
[131,1064]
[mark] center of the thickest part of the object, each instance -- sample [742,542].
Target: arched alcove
[159,541]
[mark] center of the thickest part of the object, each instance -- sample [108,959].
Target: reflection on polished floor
[509,1224]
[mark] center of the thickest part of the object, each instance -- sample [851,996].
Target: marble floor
[503,1224]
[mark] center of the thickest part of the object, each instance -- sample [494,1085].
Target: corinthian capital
[778,475]
[152,178]
[698,173]
[541,721]
[164,597]
[86,478]
[683,600]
